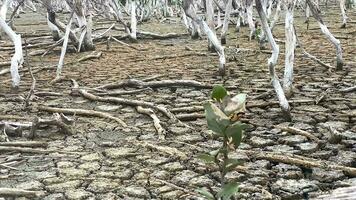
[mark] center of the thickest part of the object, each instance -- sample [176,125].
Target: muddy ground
[104,160]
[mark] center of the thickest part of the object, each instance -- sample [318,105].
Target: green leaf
[231,164]
[237,104]
[204,192]
[228,190]
[206,158]
[217,120]
[235,132]
[218,93]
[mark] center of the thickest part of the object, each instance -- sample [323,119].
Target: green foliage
[258,33]
[221,120]
[227,191]
[218,93]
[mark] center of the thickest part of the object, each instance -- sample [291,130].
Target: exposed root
[300,132]
[82,112]
[156,122]
[13,192]
[91,56]
[25,144]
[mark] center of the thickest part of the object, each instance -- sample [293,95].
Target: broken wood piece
[13,192]
[156,122]
[82,112]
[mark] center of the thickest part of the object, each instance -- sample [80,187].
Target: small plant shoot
[222,117]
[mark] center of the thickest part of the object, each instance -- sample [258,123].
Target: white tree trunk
[210,20]
[273,61]
[55,30]
[276,15]
[343,13]
[3,9]
[290,45]
[17,58]
[329,36]
[226,21]
[64,48]
[133,35]
[251,25]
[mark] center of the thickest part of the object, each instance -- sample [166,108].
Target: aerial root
[82,112]
[156,122]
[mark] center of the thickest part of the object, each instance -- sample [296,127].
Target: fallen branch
[82,112]
[156,122]
[299,160]
[13,192]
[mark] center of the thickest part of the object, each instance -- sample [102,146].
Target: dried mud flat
[104,160]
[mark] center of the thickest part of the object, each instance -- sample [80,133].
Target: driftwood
[82,112]
[349,89]
[57,120]
[156,122]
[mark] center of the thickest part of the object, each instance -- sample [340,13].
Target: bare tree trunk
[290,45]
[343,13]
[64,48]
[17,58]
[210,20]
[133,21]
[329,36]
[226,21]
[54,28]
[273,61]
[249,11]
[276,15]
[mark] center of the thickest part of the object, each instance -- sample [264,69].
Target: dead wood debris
[118,100]
[299,160]
[15,129]
[82,112]
[156,122]
[57,120]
